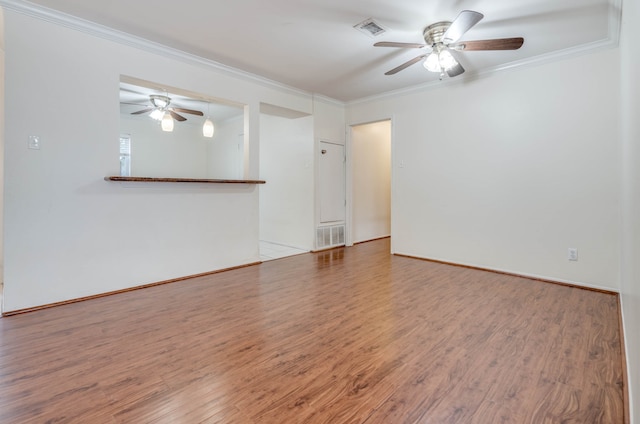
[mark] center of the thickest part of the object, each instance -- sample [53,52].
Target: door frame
[349,175]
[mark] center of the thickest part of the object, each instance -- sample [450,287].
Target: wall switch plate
[572,254]
[34,142]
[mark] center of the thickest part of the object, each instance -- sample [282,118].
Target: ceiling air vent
[370,27]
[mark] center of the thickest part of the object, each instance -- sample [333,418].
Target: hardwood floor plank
[351,335]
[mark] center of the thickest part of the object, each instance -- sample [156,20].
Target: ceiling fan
[161,105]
[442,38]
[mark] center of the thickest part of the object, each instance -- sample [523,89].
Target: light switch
[34,142]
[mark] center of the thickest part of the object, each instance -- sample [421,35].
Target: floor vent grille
[330,236]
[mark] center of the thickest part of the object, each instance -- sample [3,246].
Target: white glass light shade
[440,61]
[156,114]
[167,122]
[208,128]
[447,61]
[432,63]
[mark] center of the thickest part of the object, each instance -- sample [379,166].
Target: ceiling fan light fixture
[441,36]
[432,63]
[447,61]
[167,122]
[156,114]
[207,128]
[440,60]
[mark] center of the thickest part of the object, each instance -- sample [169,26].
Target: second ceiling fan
[161,105]
[443,39]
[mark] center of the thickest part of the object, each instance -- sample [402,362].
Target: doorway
[286,201]
[370,164]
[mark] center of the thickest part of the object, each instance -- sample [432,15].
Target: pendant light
[207,128]
[167,122]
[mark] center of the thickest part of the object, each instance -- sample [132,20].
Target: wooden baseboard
[512,274]
[344,245]
[373,239]
[99,295]
[625,381]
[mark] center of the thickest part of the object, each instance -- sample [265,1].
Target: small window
[125,155]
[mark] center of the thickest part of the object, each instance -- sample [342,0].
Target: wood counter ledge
[181,180]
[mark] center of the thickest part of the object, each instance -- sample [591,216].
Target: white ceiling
[312,45]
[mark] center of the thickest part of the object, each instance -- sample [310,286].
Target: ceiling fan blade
[176,116]
[402,45]
[456,70]
[405,65]
[141,104]
[191,111]
[463,23]
[495,44]
[140,112]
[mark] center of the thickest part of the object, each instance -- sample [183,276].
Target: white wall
[181,153]
[226,149]
[631,198]
[185,152]
[286,163]
[2,130]
[71,234]
[371,176]
[328,120]
[509,171]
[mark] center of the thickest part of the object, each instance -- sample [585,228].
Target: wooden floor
[346,336]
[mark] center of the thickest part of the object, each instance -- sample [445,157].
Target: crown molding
[101,31]
[615,22]
[120,37]
[328,100]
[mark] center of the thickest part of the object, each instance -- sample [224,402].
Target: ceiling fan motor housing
[160,101]
[434,33]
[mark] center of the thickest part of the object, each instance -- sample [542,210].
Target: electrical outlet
[572,254]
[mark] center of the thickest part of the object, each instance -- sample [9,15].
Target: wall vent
[330,236]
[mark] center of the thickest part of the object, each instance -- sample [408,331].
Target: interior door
[332,182]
